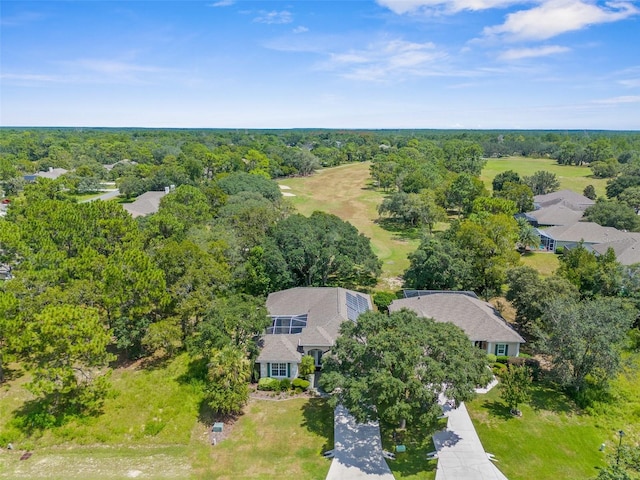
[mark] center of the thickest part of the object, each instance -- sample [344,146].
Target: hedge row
[282,385]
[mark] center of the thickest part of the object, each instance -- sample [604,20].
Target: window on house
[501,349]
[278,369]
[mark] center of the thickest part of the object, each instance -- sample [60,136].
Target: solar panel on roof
[356,304]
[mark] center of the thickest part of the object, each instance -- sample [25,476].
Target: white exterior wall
[513,348]
[293,370]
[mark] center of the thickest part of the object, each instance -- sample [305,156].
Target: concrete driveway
[461,455]
[357,450]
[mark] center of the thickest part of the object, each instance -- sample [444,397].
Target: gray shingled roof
[52,173]
[145,204]
[588,232]
[279,348]
[569,198]
[558,214]
[627,250]
[326,309]
[478,319]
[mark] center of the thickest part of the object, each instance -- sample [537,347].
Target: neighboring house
[553,215]
[588,233]
[305,321]
[145,204]
[483,325]
[564,207]
[568,198]
[51,174]
[627,250]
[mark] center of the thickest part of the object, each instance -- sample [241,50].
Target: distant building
[52,174]
[145,204]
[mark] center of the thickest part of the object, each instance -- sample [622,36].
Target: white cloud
[274,17]
[630,82]
[520,53]
[555,17]
[111,67]
[300,29]
[222,3]
[448,6]
[383,61]
[619,100]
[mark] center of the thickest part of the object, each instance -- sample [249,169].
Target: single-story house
[145,204]
[52,174]
[568,198]
[484,326]
[553,215]
[564,207]
[588,233]
[305,321]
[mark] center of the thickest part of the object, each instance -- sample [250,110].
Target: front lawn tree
[228,374]
[394,367]
[515,387]
[585,338]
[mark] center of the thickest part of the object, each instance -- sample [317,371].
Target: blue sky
[547,64]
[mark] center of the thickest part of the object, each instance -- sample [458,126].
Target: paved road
[105,196]
[461,455]
[357,450]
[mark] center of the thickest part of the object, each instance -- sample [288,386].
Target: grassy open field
[155,427]
[570,177]
[345,191]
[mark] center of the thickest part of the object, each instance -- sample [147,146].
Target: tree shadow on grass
[546,397]
[35,416]
[418,443]
[498,410]
[11,372]
[399,229]
[318,418]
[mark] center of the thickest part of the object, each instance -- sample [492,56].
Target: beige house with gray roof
[483,325]
[305,321]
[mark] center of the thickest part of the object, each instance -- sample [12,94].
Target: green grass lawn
[544,262]
[554,439]
[275,439]
[570,177]
[155,425]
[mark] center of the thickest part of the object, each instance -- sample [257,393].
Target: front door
[317,356]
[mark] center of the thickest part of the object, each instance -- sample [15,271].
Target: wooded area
[89,287]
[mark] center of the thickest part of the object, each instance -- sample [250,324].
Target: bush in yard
[491,358]
[285,384]
[502,359]
[269,384]
[498,368]
[307,365]
[382,300]
[300,383]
